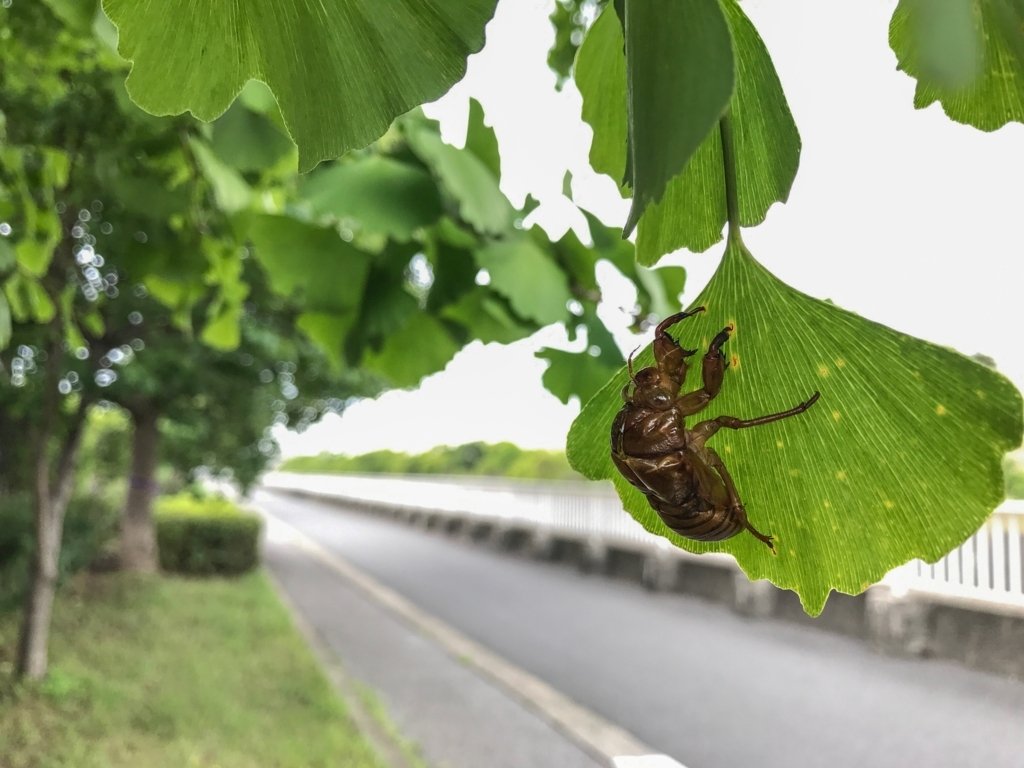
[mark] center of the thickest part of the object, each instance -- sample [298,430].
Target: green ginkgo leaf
[466,179]
[377,194]
[899,459]
[422,346]
[308,262]
[341,72]
[679,69]
[528,277]
[692,212]
[966,54]
[600,74]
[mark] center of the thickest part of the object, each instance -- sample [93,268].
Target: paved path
[452,715]
[689,678]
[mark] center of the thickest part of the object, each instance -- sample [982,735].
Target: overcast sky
[897,214]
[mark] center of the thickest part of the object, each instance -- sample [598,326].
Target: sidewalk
[454,716]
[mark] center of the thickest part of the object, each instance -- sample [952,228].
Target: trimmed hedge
[203,537]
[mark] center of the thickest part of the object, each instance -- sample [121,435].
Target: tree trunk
[138,529]
[51,502]
[35,630]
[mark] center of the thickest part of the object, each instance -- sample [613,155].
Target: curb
[380,739]
[600,738]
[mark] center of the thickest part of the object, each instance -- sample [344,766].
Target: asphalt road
[690,678]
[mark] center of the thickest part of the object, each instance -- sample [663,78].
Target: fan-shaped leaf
[967,54]
[900,458]
[341,71]
[466,179]
[692,213]
[679,65]
[522,272]
[379,194]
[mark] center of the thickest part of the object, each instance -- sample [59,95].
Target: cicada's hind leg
[705,429]
[735,504]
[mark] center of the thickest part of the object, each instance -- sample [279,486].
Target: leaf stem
[731,183]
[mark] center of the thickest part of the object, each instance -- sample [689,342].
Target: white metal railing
[587,509]
[989,566]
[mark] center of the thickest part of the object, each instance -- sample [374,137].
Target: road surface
[690,678]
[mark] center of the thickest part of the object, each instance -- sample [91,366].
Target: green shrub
[90,524]
[205,536]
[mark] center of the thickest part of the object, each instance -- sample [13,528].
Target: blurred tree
[211,408]
[126,240]
[571,20]
[105,451]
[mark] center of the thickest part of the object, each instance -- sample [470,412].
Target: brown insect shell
[649,424]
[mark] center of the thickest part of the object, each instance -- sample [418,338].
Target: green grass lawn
[154,672]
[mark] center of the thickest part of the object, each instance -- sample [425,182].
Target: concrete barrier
[899,616]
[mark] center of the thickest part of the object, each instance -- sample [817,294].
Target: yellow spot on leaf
[940,409]
[823,371]
[779,444]
[864,585]
[794,472]
[728,449]
[840,363]
[836,415]
[792,551]
[888,504]
[734,361]
[827,504]
[980,393]
[840,475]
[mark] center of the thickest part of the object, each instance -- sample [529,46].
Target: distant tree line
[507,460]
[497,460]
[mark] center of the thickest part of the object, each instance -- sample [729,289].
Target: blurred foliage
[571,20]
[484,459]
[204,536]
[378,259]
[106,445]
[192,504]
[90,525]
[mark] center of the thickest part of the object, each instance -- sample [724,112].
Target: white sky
[897,214]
